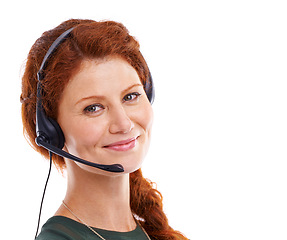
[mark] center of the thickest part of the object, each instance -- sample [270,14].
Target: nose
[120,121]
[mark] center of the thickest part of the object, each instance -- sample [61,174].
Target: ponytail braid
[146,204]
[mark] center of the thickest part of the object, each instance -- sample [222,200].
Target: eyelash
[136,94]
[91,108]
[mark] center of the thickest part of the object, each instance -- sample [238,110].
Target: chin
[129,164]
[130,168]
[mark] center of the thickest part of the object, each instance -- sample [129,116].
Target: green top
[63,228]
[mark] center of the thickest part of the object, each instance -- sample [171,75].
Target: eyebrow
[103,97]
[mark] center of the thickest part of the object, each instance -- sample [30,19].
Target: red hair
[90,40]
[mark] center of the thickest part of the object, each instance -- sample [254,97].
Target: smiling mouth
[124,145]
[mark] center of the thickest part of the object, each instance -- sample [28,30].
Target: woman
[95,88]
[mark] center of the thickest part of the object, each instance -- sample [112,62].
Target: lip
[123,145]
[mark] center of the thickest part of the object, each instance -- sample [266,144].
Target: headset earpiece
[47,128]
[60,139]
[149,89]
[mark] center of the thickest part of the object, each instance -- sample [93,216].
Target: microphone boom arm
[60,152]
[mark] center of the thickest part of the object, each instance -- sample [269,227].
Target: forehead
[100,77]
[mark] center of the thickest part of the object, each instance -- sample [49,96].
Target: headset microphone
[111,168]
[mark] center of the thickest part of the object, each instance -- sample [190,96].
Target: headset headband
[52,49]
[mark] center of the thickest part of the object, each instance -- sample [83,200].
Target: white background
[218,153]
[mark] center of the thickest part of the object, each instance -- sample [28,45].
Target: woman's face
[105,115]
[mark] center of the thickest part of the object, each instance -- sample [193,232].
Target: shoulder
[62,228]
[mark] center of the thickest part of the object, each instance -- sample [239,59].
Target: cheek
[148,117]
[81,133]
[145,118]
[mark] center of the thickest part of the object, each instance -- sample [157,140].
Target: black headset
[49,133]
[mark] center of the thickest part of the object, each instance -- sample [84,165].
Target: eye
[131,97]
[94,108]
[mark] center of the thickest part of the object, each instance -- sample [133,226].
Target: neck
[100,201]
